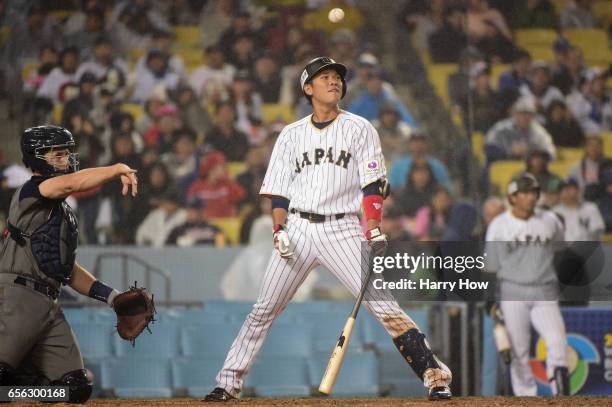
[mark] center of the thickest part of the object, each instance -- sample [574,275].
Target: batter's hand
[281,242]
[377,241]
[128,177]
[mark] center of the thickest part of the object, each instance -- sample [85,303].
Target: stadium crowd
[193,94]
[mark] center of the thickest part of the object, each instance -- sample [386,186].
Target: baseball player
[521,243]
[38,250]
[323,169]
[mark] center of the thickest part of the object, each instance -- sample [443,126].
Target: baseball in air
[335,15]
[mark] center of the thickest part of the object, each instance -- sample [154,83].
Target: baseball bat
[337,356]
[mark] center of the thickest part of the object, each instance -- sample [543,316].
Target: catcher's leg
[281,280]
[342,252]
[516,315]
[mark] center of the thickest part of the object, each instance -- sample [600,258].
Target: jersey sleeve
[369,157]
[280,172]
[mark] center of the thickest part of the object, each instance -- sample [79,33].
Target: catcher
[37,251]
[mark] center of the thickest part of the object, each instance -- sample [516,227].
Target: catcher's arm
[83,282]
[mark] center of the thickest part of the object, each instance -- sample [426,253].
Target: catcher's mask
[39,140]
[317,65]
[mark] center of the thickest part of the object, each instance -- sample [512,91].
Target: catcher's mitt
[135,309]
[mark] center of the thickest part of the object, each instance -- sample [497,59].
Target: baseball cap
[540,65]
[561,44]
[525,104]
[367,59]
[210,161]
[568,182]
[88,77]
[523,183]
[595,73]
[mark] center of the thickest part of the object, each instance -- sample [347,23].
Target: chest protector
[54,243]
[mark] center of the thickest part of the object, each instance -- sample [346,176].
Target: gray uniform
[33,329]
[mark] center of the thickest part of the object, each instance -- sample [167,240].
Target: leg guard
[79,387]
[7,375]
[559,383]
[414,348]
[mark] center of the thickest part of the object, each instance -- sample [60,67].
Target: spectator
[369,102]
[492,207]
[431,219]
[46,62]
[251,179]
[77,19]
[402,167]
[578,14]
[592,107]
[480,110]
[392,224]
[512,138]
[536,164]
[569,72]
[216,17]
[267,80]
[225,137]
[494,45]
[162,40]
[604,203]
[563,128]
[394,134]
[84,40]
[517,76]
[157,73]
[83,104]
[184,12]
[366,63]
[418,189]
[211,80]
[181,161]
[161,133]
[59,77]
[242,55]
[587,171]
[422,19]
[196,230]
[535,14]
[257,223]
[344,48]
[458,81]
[219,193]
[241,26]
[480,16]
[103,64]
[191,112]
[447,43]
[161,221]
[461,223]
[582,220]
[550,194]
[156,100]
[248,105]
[134,22]
[540,89]
[121,123]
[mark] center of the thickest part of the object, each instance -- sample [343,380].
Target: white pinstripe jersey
[323,171]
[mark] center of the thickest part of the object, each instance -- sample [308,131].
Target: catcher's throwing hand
[135,309]
[377,241]
[281,242]
[128,177]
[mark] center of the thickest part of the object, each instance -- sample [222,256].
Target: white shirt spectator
[582,108]
[582,223]
[146,83]
[53,83]
[552,93]
[100,70]
[156,227]
[206,80]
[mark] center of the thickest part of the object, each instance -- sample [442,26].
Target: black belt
[43,288]
[316,218]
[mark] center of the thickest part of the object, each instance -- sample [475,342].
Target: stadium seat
[192,316]
[77,315]
[328,329]
[569,154]
[560,5]
[28,68]
[136,110]
[133,378]
[561,168]
[535,38]
[397,377]
[594,45]
[501,173]
[187,36]
[541,53]
[438,76]
[230,227]
[478,146]
[196,375]
[603,11]
[285,376]
[235,168]
[290,339]
[358,377]
[607,139]
[208,339]
[496,71]
[163,342]
[272,112]
[58,110]
[94,338]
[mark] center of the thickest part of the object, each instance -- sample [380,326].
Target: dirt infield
[378,402]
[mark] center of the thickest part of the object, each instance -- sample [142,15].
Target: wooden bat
[337,356]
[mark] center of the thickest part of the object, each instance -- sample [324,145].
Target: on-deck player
[37,256]
[324,167]
[521,243]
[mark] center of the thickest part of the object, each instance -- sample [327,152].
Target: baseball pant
[548,322]
[336,245]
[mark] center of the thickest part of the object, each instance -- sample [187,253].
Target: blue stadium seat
[289,339]
[375,335]
[77,315]
[137,378]
[105,315]
[397,377]
[94,339]
[237,310]
[208,339]
[197,375]
[327,330]
[162,342]
[279,377]
[192,316]
[357,378]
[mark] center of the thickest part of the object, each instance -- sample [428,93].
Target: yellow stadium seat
[28,68]
[569,154]
[62,14]
[560,5]
[607,237]
[230,227]
[134,54]
[134,109]
[58,110]
[496,71]
[501,173]
[438,76]
[603,11]
[541,38]
[191,57]
[541,54]
[273,111]
[561,168]
[478,146]
[593,42]
[235,168]
[187,36]
[607,139]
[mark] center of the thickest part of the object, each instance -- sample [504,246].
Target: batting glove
[377,241]
[281,242]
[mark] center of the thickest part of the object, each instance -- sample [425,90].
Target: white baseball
[335,15]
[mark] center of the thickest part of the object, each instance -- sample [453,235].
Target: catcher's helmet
[317,65]
[36,141]
[524,183]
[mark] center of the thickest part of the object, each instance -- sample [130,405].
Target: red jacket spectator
[220,194]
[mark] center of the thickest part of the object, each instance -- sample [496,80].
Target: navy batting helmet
[524,183]
[36,141]
[317,65]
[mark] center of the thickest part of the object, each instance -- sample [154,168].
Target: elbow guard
[379,187]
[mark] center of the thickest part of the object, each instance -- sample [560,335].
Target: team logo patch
[377,205]
[371,167]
